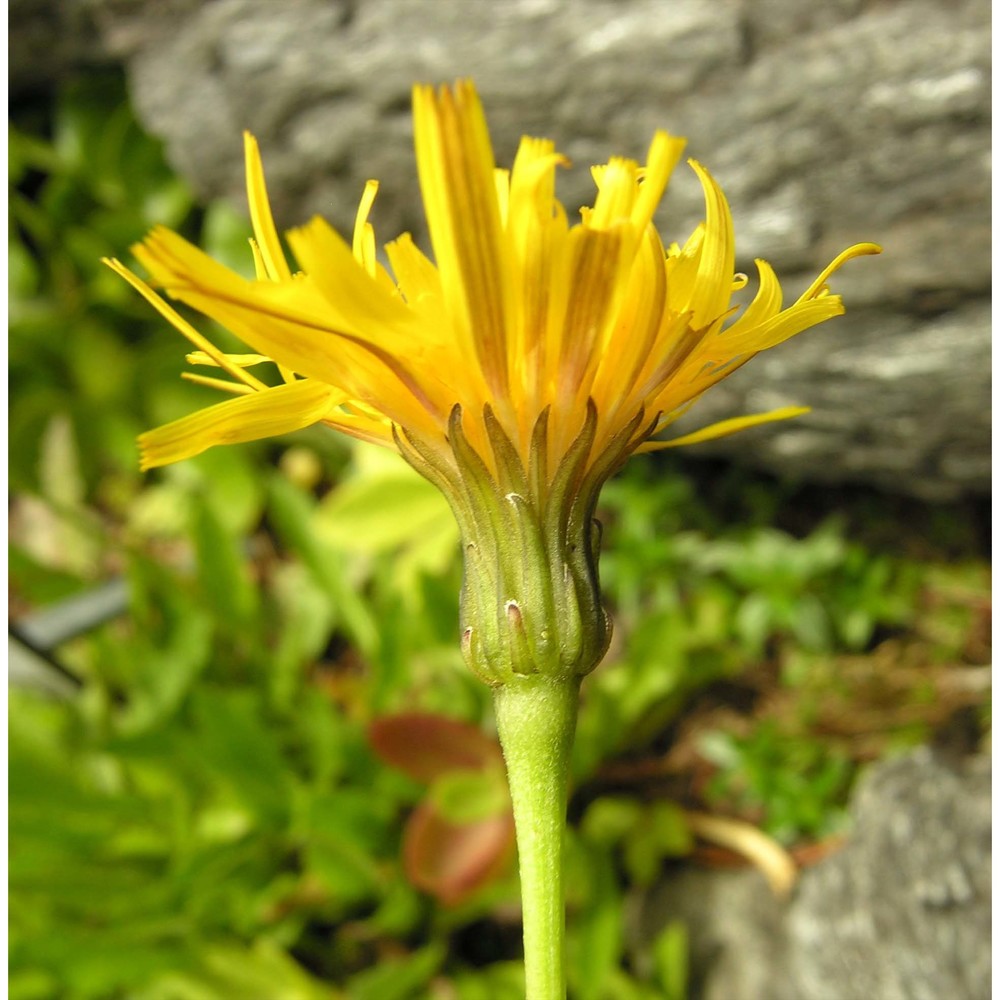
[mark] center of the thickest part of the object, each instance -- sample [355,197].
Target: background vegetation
[208,799]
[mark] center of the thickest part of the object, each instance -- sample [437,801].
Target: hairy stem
[536,718]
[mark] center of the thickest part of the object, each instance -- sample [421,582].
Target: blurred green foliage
[795,782]
[204,818]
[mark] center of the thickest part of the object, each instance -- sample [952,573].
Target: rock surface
[827,124]
[901,913]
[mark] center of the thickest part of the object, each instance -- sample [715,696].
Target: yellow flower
[528,360]
[522,311]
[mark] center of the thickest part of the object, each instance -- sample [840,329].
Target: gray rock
[897,400]
[901,913]
[827,124]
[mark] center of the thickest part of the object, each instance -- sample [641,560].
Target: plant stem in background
[536,718]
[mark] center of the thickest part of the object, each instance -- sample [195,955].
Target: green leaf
[304,628]
[236,743]
[469,796]
[610,819]
[263,970]
[223,574]
[596,936]
[329,740]
[23,276]
[348,828]
[293,515]
[670,955]
[231,483]
[386,508]
[754,620]
[670,830]
[161,675]
[398,980]
[811,623]
[226,238]
[32,984]
[103,368]
[37,583]
[720,748]
[500,981]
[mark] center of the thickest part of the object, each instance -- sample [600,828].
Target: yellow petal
[677,340]
[181,324]
[765,305]
[595,288]
[725,428]
[260,213]
[664,154]
[259,265]
[231,388]
[410,395]
[364,233]
[292,322]
[818,287]
[681,266]
[267,413]
[361,425]
[632,340]
[456,168]
[354,301]
[239,360]
[710,296]
[617,190]
[778,329]
[501,182]
[536,235]
[416,276]
[284,321]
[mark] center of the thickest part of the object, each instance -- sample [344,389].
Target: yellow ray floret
[522,314]
[267,413]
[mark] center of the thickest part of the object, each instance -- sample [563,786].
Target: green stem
[536,718]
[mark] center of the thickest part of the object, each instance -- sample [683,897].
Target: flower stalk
[536,719]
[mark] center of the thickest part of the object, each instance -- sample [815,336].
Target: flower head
[517,370]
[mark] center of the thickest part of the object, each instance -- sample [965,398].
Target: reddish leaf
[451,861]
[426,746]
